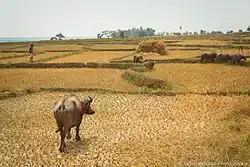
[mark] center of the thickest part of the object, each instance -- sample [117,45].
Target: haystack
[152,46]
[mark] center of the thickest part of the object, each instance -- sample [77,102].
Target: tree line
[134,32]
[144,32]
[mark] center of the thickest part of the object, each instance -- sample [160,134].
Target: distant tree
[180,29]
[99,36]
[230,32]
[240,30]
[142,32]
[134,32]
[150,32]
[196,33]
[128,33]
[176,33]
[160,33]
[122,35]
[248,28]
[53,38]
[185,33]
[190,33]
[203,32]
[107,33]
[114,34]
[216,32]
[60,36]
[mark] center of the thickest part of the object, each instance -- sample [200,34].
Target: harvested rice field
[113,46]
[21,79]
[126,130]
[11,55]
[173,54]
[202,78]
[44,47]
[38,57]
[203,42]
[174,115]
[93,56]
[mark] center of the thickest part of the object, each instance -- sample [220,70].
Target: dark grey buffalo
[236,58]
[68,113]
[223,58]
[208,57]
[149,64]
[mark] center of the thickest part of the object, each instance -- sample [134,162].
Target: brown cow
[68,113]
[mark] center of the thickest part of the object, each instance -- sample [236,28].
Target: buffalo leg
[63,133]
[69,134]
[77,133]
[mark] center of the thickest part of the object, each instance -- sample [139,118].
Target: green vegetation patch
[144,81]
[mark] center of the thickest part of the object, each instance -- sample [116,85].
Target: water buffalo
[68,113]
[138,58]
[208,56]
[149,64]
[223,58]
[236,58]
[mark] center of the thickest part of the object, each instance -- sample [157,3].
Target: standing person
[31,52]
[241,49]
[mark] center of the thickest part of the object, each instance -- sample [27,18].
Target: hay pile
[152,46]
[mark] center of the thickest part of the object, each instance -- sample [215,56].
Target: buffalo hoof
[61,149]
[68,136]
[78,138]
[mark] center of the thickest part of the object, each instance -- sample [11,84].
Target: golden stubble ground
[173,54]
[202,78]
[92,56]
[113,46]
[43,47]
[37,57]
[126,130]
[21,79]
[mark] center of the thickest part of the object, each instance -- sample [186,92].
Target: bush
[141,80]
[140,69]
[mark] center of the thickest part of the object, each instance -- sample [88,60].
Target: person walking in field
[31,52]
[241,49]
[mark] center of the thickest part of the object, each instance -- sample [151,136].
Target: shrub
[141,80]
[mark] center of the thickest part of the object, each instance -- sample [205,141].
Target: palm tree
[181,29]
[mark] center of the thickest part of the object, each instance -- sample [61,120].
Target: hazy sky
[32,18]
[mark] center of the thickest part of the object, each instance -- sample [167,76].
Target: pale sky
[86,18]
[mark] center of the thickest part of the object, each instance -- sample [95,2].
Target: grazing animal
[223,58]
[208,56]
[150,64]
[236,58]
[68,113]
[138,58]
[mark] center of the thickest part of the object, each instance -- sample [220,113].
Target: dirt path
[126,130]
